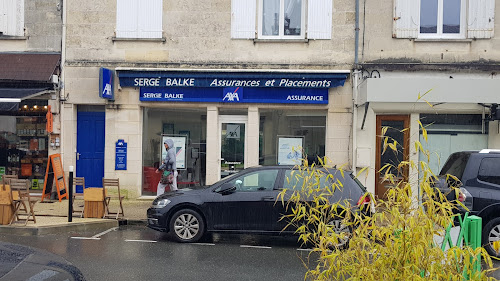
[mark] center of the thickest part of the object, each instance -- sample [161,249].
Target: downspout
[62,81]
[355,79]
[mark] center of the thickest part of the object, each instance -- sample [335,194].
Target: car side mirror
[227,188]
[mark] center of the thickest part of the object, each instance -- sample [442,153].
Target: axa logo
[231,94]
[107,90]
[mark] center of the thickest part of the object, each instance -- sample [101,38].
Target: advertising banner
[180,149]
[290,150]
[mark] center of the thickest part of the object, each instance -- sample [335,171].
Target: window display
[186,124]
[308,128]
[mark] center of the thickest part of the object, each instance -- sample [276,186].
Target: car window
[456,164]
[489,170]
[255,181]
[295,181]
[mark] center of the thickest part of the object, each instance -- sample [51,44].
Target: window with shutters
[443,19]
[12,17]
[139,19]
[281,19]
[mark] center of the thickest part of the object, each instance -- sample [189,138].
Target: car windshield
[456,164]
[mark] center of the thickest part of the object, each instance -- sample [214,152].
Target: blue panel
[236,95]
[106,90]
[162,79]
[90,145]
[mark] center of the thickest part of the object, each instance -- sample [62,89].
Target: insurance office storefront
[222,122]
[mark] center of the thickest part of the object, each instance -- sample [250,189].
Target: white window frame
[282,22]
[439,34]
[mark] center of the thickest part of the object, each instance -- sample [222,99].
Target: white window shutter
[12,17]
[127,18]
[150,19]
[243,13]
[406,19]
[319,19]
[3,17]
[481,19]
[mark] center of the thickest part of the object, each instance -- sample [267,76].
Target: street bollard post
[70,195]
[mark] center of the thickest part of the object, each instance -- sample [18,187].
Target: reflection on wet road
[139,253]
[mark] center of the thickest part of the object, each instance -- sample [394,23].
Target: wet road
[138,253]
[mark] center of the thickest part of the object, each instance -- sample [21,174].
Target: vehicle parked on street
[478,174]
[244,202]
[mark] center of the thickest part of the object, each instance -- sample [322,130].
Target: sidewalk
[52,218]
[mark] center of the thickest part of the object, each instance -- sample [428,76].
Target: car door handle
[268,198]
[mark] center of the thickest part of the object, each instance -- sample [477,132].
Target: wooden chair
[7,178]
[78,181]
[24,203]
[111,187]
[6,203]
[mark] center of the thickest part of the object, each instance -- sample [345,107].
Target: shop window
[306,130]
[281,19]
[188,125]
[139,18]
[24,143]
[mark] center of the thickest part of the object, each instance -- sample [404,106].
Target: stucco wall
[199,32]
[377,44]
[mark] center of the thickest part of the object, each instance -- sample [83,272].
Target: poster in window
[290,150]
[180,149]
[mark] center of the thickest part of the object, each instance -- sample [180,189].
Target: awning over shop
[28,66]
[11,97]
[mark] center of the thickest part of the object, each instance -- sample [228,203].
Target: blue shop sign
[121,155]
[235,95]
[168,79]
[106,90]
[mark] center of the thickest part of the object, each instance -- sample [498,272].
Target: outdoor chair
[23,202]
[7,178]
[112,190]
[78,181]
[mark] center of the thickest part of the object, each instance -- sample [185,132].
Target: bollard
[70,195]
[475,226]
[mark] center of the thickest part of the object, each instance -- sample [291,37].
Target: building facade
[30,55]
[433,62]
[233,83]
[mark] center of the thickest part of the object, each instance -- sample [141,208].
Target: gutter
[355,79]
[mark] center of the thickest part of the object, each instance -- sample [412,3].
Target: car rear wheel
[187,226]
[491,233]
[340,228]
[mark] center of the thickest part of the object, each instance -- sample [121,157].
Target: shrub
[395,243]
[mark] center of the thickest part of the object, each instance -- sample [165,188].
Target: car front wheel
[187,226]
[491,233]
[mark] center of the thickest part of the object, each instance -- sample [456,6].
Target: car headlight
[161,203]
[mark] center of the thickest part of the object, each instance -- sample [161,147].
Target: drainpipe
[62,81]
[355,79]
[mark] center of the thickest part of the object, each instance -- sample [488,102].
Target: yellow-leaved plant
[395,242]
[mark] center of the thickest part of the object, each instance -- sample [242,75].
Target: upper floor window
[12,17]
[281,19]
[139,18]
[443,19]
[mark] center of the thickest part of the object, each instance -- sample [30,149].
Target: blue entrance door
[90,148]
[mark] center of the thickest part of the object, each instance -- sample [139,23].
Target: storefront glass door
[233,143]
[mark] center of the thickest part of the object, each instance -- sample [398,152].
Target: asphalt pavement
[19,262]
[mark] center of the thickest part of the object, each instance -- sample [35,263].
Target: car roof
[289,167]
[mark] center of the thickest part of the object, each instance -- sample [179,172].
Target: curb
[56,229]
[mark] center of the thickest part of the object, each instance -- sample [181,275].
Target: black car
[477,175]
[244,202]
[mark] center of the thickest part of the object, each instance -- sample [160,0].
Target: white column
[213,146]
[252,150]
